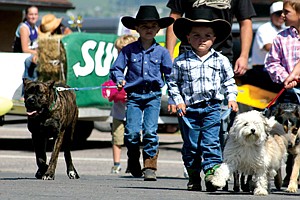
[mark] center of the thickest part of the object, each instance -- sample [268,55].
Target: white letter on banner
[99,69]
[89,61]
[104,70]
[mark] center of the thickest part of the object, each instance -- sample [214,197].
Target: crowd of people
[202,78]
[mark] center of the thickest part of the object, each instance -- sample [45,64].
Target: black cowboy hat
[146,13]
[183,26]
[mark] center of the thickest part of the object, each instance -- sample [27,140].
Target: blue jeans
[201,149]
[30,71]
[142,114]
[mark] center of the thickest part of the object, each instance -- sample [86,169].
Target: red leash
[277,96]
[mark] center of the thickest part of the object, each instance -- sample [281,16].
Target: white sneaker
[116,169]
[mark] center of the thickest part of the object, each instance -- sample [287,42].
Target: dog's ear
[50,83]
[296,111]
[26,81]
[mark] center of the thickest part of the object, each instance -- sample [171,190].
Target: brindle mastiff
[50,114]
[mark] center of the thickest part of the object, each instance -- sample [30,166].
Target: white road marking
[87,159]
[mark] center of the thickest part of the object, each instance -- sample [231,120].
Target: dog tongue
[31,113]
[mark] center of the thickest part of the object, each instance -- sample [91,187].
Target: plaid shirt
[194,79]
[284,55]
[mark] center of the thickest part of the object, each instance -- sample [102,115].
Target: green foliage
[115,8]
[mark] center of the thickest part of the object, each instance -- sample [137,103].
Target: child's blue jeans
[142,114]
[201,149]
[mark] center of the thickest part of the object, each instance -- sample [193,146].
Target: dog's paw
[292,188]
[48,177]
[73,175]
[220,176]
[260,192]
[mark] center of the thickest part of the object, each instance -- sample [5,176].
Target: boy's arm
[273,63]
[117,69]
[227,81]
[173,83]
[293,79]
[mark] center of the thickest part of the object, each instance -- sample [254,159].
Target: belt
[143,89]
[204,104]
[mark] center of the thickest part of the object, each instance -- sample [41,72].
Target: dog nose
[252,130]
[290,145]
[30,101]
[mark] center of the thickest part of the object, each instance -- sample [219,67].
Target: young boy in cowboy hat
[149,65]
[197,84]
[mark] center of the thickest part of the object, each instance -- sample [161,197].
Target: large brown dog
[50,114]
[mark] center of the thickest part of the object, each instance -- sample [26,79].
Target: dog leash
[60,89]
[273,101]
[224,115]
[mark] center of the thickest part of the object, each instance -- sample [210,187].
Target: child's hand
[233,105]
[181,109]
[121,84]
[172,108]
[291,81]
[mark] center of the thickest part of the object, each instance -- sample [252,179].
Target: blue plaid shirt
[194,79]
[145,67]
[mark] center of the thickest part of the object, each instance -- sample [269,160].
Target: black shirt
[240,9]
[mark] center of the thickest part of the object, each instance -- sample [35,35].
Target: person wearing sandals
[199,79]
[148,66]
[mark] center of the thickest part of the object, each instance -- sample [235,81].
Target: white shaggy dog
[256,146]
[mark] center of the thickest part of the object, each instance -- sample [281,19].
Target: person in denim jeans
[199,79]
[148,66]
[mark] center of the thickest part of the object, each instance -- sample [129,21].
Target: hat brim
[131,23]
[183,26]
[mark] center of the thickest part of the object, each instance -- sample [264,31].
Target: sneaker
[116,169]
[208,176]
[149,175]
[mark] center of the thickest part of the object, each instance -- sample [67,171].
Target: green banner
[89,57]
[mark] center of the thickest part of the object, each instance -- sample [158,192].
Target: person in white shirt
[262,43]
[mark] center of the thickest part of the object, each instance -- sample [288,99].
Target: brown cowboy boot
[150,166]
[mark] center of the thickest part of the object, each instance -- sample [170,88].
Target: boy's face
[148,30]
[291,17]
[201,39]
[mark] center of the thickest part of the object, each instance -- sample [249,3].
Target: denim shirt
[145,68]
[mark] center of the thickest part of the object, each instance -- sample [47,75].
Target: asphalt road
[93,162]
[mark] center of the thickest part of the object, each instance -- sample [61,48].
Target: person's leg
[117,142]
[29,70]
[210,144]
[150,137]
[132,132]
[191,153]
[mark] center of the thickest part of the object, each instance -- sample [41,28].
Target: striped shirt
[284,55]
[194,79]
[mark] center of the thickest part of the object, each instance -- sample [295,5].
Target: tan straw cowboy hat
[48,24]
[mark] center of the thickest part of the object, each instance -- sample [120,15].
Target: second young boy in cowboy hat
[199,79]
[148,66]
